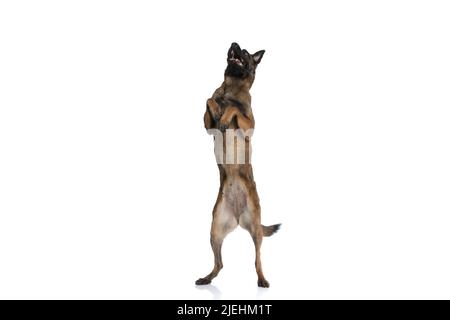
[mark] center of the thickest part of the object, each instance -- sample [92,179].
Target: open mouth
[235,59]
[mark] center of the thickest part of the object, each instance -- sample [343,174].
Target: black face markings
[241,64]
[237,71]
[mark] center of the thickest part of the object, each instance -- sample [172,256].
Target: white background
[108,179]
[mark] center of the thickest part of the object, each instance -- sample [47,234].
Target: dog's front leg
[214,109]
[212,114]
[243,122]
[208,120]
[227,117]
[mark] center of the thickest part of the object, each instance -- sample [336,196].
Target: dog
[229,117]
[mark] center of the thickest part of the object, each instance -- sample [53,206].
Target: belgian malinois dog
[229,117]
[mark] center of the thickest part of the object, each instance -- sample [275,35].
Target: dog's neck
[237,89]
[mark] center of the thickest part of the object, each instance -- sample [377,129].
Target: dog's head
[242,64]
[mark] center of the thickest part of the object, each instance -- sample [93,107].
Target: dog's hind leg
[224,221]
[256,232]
[257,236]
[250,220]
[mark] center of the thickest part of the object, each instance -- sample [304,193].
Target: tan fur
[237,202]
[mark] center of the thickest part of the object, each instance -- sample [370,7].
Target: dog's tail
[268,231]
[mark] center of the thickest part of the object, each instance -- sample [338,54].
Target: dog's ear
[257,56]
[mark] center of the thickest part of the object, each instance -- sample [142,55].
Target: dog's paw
[214,109]
[217,115]
[223,125]
[202,281]
[263,283]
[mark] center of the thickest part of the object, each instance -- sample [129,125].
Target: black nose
[235,48]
